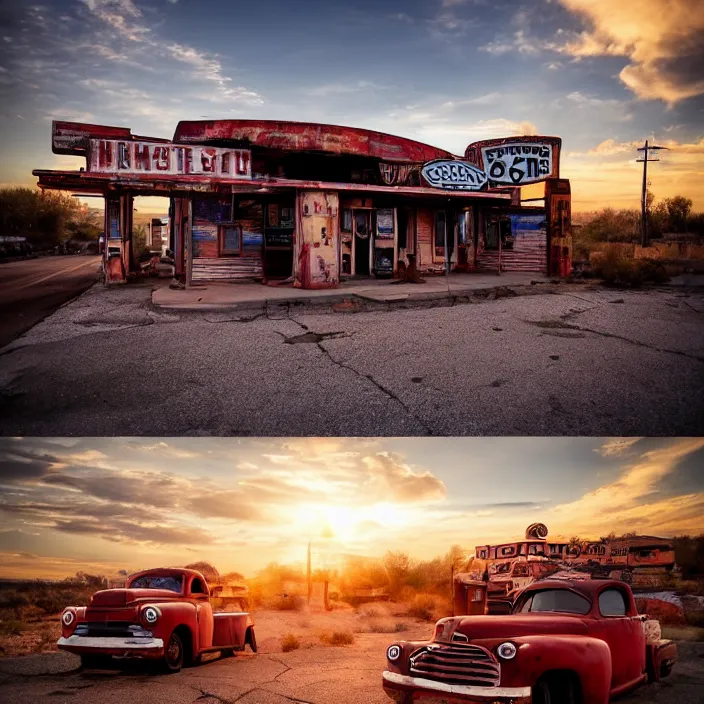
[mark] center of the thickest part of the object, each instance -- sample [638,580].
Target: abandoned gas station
[312,204]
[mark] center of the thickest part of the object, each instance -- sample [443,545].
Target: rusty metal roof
[310,137]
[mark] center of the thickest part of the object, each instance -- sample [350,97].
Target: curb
[365,302]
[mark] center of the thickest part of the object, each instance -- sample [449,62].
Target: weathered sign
[453,175]
[518,163]
[132,157]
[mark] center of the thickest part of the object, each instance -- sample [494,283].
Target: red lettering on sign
[162,160]
[105,154]
[242,163]
[187,160]
[142,157]
[207,160]
[225,164]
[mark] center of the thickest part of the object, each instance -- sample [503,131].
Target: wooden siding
[227,268]
[209,264]
[424,225]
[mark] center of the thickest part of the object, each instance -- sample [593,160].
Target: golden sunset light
[124,504]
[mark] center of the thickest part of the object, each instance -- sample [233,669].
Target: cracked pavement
[584,361]
[318,675]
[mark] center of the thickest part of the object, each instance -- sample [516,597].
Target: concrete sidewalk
[350,295]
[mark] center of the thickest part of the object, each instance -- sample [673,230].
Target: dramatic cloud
[244,503]
[633,501]
[400,482]
[662,39]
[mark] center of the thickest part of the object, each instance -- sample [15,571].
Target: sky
[105,505]
[602,75]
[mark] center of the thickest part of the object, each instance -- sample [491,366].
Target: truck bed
[229,629]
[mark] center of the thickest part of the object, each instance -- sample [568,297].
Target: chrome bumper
[108,643]
[491,694]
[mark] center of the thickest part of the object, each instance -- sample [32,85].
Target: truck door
[624,635]
[204,612]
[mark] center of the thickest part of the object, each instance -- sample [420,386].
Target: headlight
[150,615]
[393,652]
[506,651]
[68,617]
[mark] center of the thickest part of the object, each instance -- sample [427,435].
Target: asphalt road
[584,362]
[320,675]
[31,289]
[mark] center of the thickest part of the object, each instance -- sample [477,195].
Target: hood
[514,626]
[123,597]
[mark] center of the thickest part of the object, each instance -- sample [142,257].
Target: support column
[558,211]
[114,269]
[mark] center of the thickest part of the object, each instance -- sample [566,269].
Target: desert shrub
[51,602]
[423,607]
[338,638]
[617,267]
[400,627]
[15,601]
[370,611]
[12,627]
[694,618]
[289,602]
[290,642]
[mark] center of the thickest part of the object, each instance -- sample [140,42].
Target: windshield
[561,600]
[147,581]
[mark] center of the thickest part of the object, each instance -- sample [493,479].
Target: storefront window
[346,220]
[440,232]
[231,239]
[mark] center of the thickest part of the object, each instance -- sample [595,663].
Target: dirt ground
[313,673]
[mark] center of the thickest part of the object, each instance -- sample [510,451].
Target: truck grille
[456,664]
[109,629]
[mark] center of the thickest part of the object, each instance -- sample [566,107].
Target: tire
[555,689]
[252,640]
[95,662]
[173,654]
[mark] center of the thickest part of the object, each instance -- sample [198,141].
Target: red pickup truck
[162,614]
[564,642]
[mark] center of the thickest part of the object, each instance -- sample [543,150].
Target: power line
[644,193]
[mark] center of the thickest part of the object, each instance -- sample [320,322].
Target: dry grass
[337,637]
[616,266]
[289,642]
[423,607]
[689,633]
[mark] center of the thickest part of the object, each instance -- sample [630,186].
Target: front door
[362,224]
[624,634]
[317,251]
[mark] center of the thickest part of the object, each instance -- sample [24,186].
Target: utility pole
[644,193]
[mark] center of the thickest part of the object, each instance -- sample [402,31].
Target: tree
[678,209]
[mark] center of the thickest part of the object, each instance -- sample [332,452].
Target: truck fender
[181,615]
[589,659]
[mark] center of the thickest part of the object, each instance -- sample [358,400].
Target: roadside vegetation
[366,598]
[605,241]
[47,218]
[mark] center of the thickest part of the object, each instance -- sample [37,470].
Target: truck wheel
[173,655]
[554,690]
[252,640]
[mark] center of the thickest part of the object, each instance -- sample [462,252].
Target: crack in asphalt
[559,324]
[390,394]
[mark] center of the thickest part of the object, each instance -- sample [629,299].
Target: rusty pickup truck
[564,642]
[163,614]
